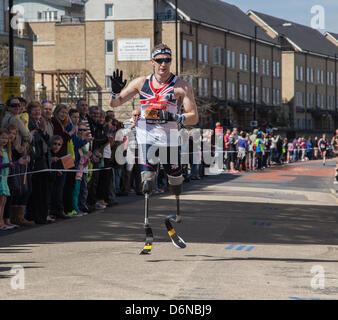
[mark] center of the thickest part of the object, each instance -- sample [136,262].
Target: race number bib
[152,112]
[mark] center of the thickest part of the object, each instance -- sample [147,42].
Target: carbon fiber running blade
[149,241]
[177,241]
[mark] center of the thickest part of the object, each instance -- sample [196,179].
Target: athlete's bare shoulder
[138,82]
[182,88]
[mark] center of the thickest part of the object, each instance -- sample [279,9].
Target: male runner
[161,96]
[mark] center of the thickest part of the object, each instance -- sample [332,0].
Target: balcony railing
[71,20]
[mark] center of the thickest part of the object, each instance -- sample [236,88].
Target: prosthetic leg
[148,178]
[175,184]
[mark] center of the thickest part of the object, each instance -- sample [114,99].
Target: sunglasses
[161,60]
[57,144]
[82,129]
[15,105]
[47,101]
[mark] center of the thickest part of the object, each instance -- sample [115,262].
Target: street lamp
[176,38]
[10,38]
[255,74]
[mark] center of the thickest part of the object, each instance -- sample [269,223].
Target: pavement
[268,235]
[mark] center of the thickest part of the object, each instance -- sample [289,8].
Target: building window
[109,46]
[200,52]
[231,91]
[206,55]
[301,73]
[218,56]
[47,15]
[220,89]
[253,64]
[109,10]
[243,92]
[184,49]
[299,99]
[206,87]
[190,50]
[318,76]
[267,67]
[233,60]
[243,62]
[263,66]
[214,88]
[108,82]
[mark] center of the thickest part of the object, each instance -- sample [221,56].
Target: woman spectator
[11,117]
[19,183]
[60,120]
[37,208]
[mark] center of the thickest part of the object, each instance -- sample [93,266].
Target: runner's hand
[168,116]
[117,83]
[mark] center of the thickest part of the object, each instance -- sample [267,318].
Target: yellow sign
[10,87]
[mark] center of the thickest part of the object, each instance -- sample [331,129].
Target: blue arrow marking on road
[240,247]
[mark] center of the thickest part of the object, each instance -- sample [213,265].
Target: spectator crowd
[58,162]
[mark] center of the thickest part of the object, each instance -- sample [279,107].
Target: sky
[298,11]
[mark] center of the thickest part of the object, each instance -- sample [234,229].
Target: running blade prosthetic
[149,240]
[149,233]
[177,241]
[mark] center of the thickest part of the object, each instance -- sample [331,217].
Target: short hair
[79,101]
[93,108]
[22,100]
[72,111]
[32,105]
[56,138]
[8,102]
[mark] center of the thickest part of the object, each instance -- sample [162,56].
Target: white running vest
[157,134]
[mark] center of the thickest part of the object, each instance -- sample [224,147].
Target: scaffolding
[67,86]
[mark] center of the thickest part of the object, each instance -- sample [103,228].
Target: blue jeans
[294,156]
[195,170]
[83,192]
[111,188]
[118,174]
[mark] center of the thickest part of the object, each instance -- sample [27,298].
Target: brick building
[230,61]
[309,74]
[23,51]
[241,71]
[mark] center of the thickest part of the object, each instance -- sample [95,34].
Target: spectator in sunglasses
[11,117]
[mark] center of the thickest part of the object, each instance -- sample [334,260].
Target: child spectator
[5,163]
[56,198]
[82,160]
